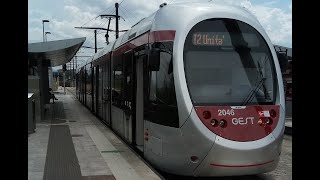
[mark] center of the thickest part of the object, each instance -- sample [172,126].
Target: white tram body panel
[185,140]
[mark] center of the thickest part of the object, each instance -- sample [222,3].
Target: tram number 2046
[223,112]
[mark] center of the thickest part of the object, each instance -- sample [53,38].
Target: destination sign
[208,38]
[222,39]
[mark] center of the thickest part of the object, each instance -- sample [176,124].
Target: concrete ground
[99,153]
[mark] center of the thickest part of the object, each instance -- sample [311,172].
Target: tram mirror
[154,59]
[283,61]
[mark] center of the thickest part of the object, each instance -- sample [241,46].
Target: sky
[274,15]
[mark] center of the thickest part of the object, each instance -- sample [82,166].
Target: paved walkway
[71,143]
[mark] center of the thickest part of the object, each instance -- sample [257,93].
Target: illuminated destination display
[222,39]
[208,38]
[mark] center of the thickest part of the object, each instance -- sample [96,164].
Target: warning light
[273,113]
[206,114]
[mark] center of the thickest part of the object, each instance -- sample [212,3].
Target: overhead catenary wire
[123,12]
[130,13]
[127,15]
[90,20]
[109,6]
[90,31]
[90,37]
[96,18]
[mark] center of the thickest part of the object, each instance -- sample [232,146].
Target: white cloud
[277,22]
[290,6]
[270,3]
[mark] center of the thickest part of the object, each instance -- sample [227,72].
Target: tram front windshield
[227,62]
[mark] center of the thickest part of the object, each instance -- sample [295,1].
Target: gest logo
[242,121]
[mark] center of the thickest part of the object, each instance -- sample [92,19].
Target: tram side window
[118,85]
[127,75]
[162,106]
[77,83]
[165,91]
[88,79]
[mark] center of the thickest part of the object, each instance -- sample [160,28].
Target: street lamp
[46,37]
[43,21]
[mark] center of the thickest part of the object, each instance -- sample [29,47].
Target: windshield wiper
[249,97]
[251,94]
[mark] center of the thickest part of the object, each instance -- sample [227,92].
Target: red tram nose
[239,123]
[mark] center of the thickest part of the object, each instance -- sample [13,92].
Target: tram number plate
[223,112]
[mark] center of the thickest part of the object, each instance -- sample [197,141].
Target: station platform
[70,143]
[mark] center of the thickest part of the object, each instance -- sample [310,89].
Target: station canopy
[58,52]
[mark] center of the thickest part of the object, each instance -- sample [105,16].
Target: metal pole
[117,22]
[64,82]
[95,41]
[109,24]
[76,62]
[73,71]
[43,34]
[68,73]
[107,35]
[42,31]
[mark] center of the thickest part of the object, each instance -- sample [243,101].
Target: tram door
[83,85]
[108,104]
[106,92]
[128,96]
[139,122]
[80,85]
[93,84]
[133,99]
[96,90]
[100,91]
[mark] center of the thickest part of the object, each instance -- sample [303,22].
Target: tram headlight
[214,122]
[223,123]
[269,121]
